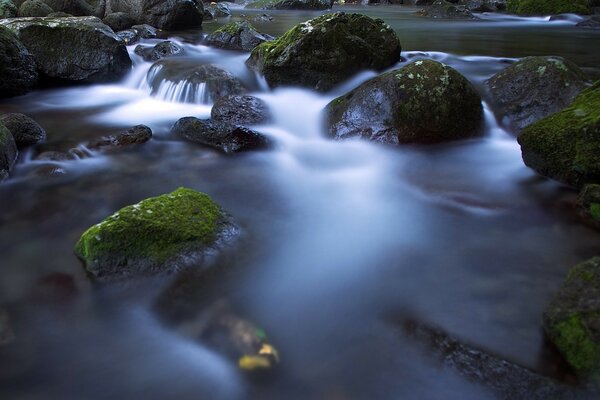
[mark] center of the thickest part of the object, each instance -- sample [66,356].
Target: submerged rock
[17,66]
[565,146]
[75,49]
[162,14]
[572,320]
[291,4]
[534,88]
[8,152]
[240,110]
[158,235]
[237,36]
[326,50]
[547,7]
[588,205]
[136,135]
[8,9]
[34,8]
[222,136]
[24,130]
[446,10]
[160,50]
[119,21]
[423,102]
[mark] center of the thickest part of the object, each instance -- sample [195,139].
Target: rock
[24,130]
[7,335]
[423,102]
[34,8]
[7,9]
[291,4]
[565,146]
[240,110]
[262,18]
[588,205]
[161,50]
[327,50]
[118,21]
[76,49]
[446,10]
[534,88]
[54,156]
[218,10]
[145,31]
[59,14]
[547,7]
[129,36]
[237,36]
[162,14]
[161,234]
[222,136]
[17,66]
[8,152]
[591,22]
[572,320]
[186,81]
[77,8]
[485,5]
[136,135]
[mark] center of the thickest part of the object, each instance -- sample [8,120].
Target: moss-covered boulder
[291,4]
[75,49]
[34,8]
[241,36]
[24,129]
[8,9]
[565,145]
[547,7]
[17,66]
[158,235]
[588,205]
[534,88]
[424,102]
[8,152]
[326,50]
[572,320]
[162,14]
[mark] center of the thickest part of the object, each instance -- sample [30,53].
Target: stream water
[336,236]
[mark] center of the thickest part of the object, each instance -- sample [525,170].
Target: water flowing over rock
[424,102]
[565,146]
[161,50]
[76,49]
[534,88]
[237,36]
[8,152]
[325,51]
[240,110]
[24,130]
[161,234]
[191,83]
[17,66]
[161,14]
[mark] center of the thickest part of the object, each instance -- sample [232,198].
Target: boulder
[129,36]
[8,9]
[423,102]
[34,8]
[218,10]
[8,152]
[572,320]
[446,10]
[588,205]
[118,21]
[565,146]
[75,49]
[162,14]
[77,8]
[161,234]
[547,7]
[225,137]
[534,88]
[240,110]
[160,50]
[17,66]
[145,31]
[291,4]
[326,50]
[24,130]
[186,81]
[241,36]
[136,135]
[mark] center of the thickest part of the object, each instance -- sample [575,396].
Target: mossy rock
[241,36]
[535,87]
[290,4]
[17,66]
[326,50]
[8,152]
[588,205]
[423,102]
[565,146]
[8,9]
[158,235]
[572,320]
[547,7]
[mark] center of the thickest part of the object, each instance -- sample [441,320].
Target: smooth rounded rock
[24,129]
[17,66]
[240,110]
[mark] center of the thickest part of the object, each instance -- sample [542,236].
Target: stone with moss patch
[8,9]
[534,88]
[588,205]
[424,102]
[547,7]
[565,146]
[572,320]
[8,152]
[241,36]
[158,235]
[326,50]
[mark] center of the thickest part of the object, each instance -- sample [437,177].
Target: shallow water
[336,236]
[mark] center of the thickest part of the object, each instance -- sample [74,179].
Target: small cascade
[182,92]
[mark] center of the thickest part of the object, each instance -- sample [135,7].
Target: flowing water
[336,236]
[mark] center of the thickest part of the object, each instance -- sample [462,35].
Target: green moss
[234,27]
[547,7]
[154,229]
[573,339]
[595,210]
